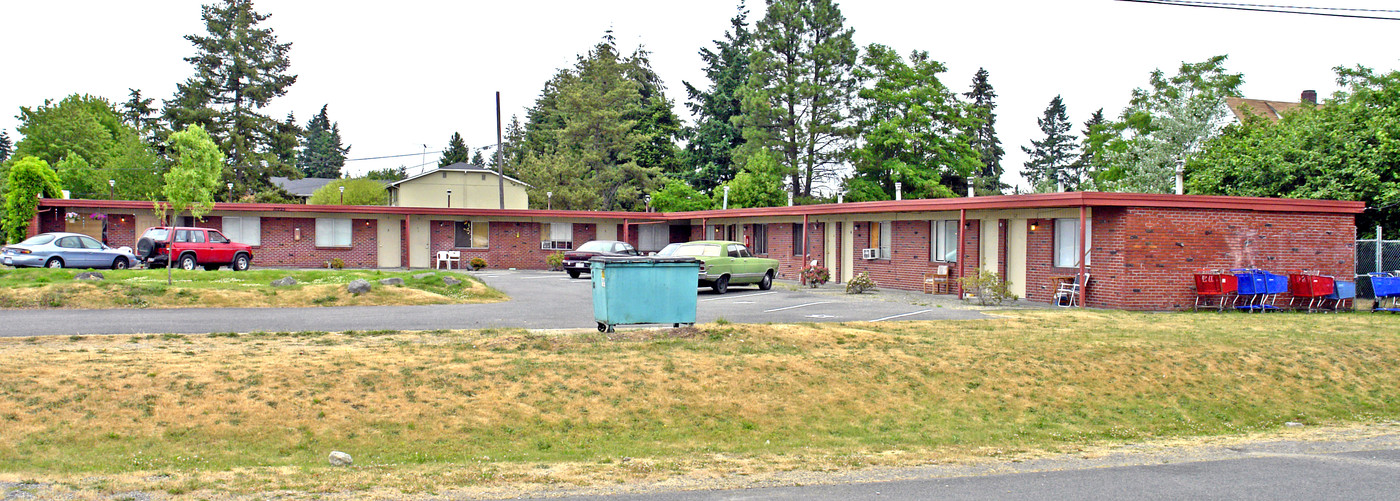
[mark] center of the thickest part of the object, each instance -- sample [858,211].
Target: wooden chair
[447,258]
[938,282]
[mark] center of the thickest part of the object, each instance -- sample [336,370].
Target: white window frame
[243,229]
[334,232]
[886,238]
[942,244]
[557,236]
[1067,242]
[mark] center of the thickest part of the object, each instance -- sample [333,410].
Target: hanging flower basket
[72,217]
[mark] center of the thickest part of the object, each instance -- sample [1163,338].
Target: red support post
[1083,251]
[962,244]
[806,251]
[625,231]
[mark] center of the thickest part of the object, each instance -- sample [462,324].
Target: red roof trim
[1033,201]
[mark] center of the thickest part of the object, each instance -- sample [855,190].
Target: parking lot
[539,300]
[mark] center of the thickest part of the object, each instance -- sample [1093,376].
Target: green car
[724,263]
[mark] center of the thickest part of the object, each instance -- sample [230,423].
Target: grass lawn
[424,412]
[46,288]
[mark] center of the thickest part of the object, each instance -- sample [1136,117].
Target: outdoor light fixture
[342,194]
[549,200]
[1034,225]
[230,192]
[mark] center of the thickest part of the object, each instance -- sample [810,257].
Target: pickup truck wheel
[187,262]
[722,285]
[240,262]
[767,282]
[574,273]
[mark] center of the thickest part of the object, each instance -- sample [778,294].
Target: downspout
[1083,251]
[962,224]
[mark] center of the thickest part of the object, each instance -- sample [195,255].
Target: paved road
[540,300]
[1266,475]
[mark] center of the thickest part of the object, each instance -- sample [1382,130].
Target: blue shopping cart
[1386,286]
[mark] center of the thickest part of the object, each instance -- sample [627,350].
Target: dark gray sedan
[65,250]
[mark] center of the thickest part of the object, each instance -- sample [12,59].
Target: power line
[1276,9]
[383,157]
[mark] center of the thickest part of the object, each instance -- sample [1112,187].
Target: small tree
[678,196]
[358,191]
[29,178]
[191,183]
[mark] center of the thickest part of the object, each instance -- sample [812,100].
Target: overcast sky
[398,75]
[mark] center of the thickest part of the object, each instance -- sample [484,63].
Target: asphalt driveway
[539,300]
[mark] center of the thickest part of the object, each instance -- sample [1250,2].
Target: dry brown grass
[428,411]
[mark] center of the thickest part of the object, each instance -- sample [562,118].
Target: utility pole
[500,159]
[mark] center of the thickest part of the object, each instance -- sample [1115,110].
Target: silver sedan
[65,250]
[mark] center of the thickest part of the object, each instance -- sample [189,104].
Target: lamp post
[342,194]
[111,189]
[648,201]
[230,192]
[549,200]
[726,197]
[898,190]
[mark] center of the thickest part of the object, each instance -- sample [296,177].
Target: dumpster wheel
[602,327]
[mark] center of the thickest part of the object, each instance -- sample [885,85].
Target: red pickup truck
[190,248]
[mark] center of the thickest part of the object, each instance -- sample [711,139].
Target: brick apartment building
[1140,250]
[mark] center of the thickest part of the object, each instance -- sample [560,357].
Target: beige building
[459,186]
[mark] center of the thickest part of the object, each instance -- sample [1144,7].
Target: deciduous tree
[678,196]
[28,178]
[358,191]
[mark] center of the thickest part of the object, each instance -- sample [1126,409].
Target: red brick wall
[280,248]
[121,230]
[1105,257]
[504,250]
[972,250]
[1163,247]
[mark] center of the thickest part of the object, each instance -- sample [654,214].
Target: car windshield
[37,240]
[695,250]
[596,246]
[157,234]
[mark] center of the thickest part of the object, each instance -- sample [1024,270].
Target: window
[196,236]
[470,234]
[880,238]
[217,238]
[798,243]
[760,239]
[1067,243]
[332,232]
[244,230]
[945,241]
[90,243]
[69,243]
[557,236]
[182,235]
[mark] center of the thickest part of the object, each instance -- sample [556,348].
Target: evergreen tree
[797,102]
[1091,156]
[715,136]
[238,69]
[478,158]
[5,145]
[138,113]
[286,141]
[1050,158]
[322,155]
[457,151]
[388,174]
[984,140]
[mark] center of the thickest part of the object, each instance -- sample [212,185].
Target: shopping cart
[1309,289]
[1386,286]
[1214,288]
[1341,297]
[1258,289]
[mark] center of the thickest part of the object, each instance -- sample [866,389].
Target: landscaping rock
[450,281]
[358,286]
[391,281]
[341,459]
[1293,424]
[421,276]
[284,282]
[90,275]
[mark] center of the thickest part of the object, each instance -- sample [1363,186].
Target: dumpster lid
[643,259]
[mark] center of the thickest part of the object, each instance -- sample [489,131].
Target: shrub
[815,275]
[555,261]
[988,287]
[478,263]
[860,283]
[336,263]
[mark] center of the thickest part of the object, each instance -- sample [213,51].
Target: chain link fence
[1371,256]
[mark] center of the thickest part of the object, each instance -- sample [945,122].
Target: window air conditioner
[546,245]
[870,253]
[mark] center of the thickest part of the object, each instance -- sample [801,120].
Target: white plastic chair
[1068,293]
[448,257]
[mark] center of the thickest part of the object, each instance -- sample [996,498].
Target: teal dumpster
[643,290]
